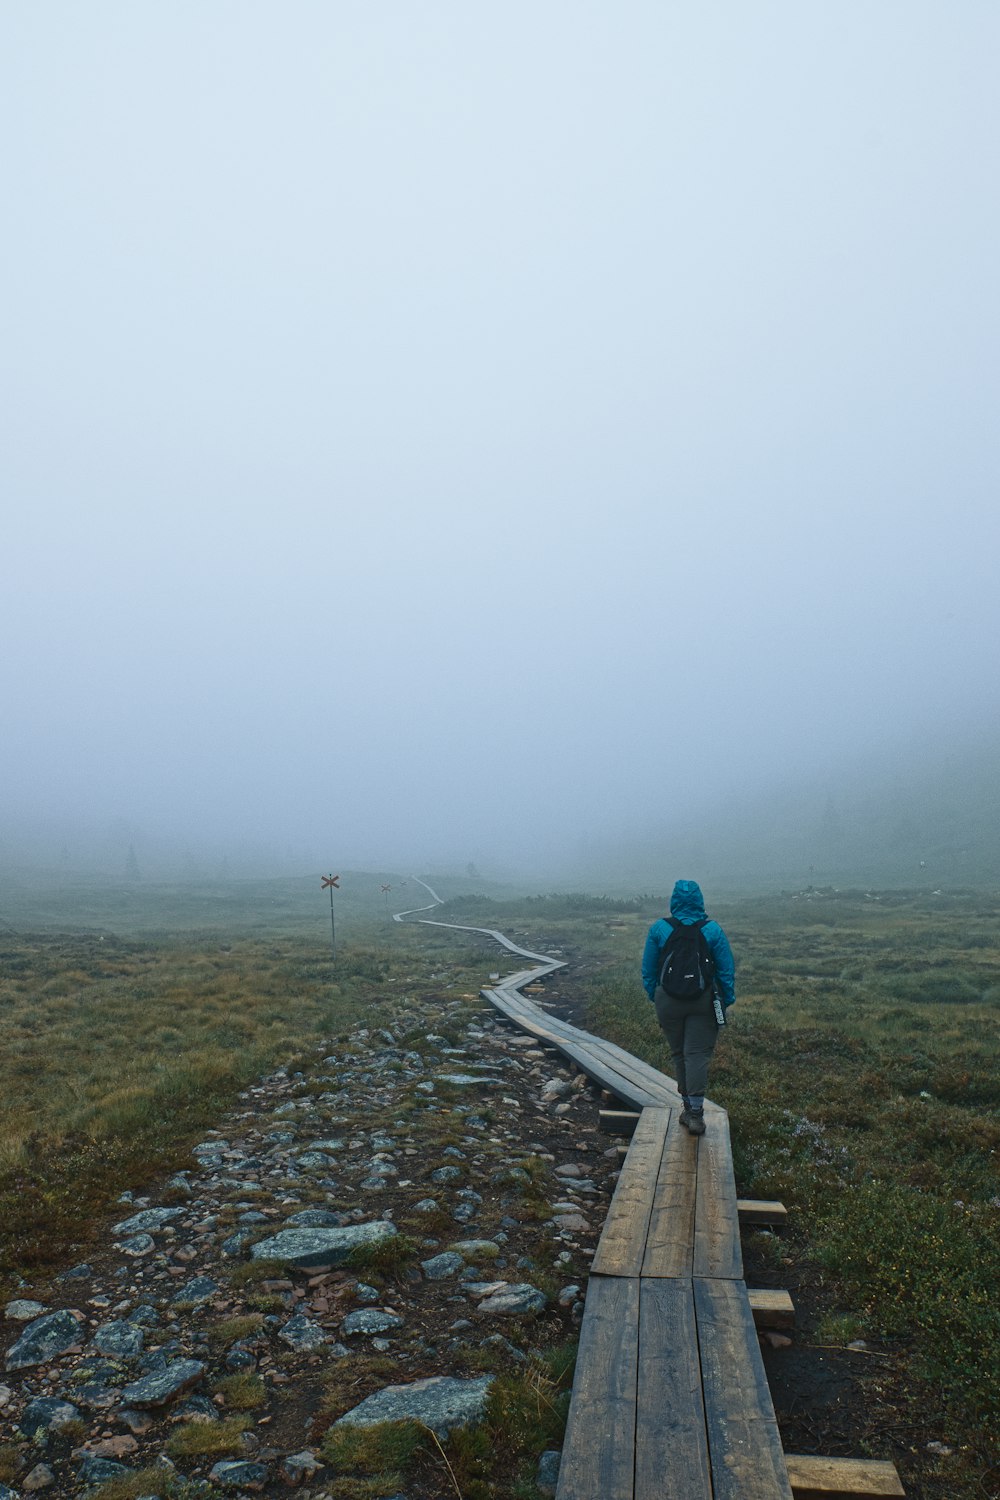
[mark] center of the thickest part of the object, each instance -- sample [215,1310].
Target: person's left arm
[725,966]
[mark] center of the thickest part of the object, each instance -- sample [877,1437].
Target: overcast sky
[428,427]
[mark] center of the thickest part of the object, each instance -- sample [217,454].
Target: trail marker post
[385,891]
[333,883]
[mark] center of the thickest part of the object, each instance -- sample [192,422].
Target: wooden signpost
[331,882]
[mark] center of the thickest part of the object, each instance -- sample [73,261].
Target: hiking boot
[685,1116]
[695,1121]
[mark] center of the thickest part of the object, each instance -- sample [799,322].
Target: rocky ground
[392,1227]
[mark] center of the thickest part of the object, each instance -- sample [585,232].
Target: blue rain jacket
[687,904]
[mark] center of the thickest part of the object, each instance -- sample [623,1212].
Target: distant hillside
[933,825]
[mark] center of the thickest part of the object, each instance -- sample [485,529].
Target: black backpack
[687,968]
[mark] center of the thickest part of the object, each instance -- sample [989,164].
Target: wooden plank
[717,1249]
[771,1308]
[743,1441]
[842,1478]
[622,1244]
[670,1240]
[599,1449]
[761,1211]
[618,1121]
[671,1445]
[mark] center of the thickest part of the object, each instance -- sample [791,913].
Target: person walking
[688,974]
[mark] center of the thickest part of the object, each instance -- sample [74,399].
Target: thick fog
[450,431]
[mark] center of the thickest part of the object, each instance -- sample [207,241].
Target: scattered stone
[370,1320]
[426,1206]
[516,1301]
[202,1289]
[123,1340]
[100,1470]
[571,1223]
[47,1414]
[477,1249]
[136,1246]
[446,1174]
[163,1385]
[149,1218]
[76,1273]
[463,1080]
[777,1340]
[22,1311]
[42,1340]
[40,1477]
[319,1247]
[441,1403]
[317,1218]
[301,1333]
[298,1467]
[440,1267]
[235,1474]
[547,1476]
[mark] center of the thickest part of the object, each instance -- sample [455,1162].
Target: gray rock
[239,1357]
[252,1216]
[515,1300]
[366,1293]
[440,1267]
[370,1320]
[76,1273]
[136,1245]
[122,1340]
[331,1145]
[446,1174]
[236,1474]
[100,1470]
[42,1340]
[301,1333]
[426,1206]
[149,1218]
[145,1315]
[441,1403]
[202,1289]
[464,1080]
[571,1223]
[22,1311]
[40,1477]
[317,1218]
[159,1388]
[570,1169]
[319,1247]
[7,1494]
[298,1467]
[477,1249]
[237,1241]
[547,1476]
[312,1159]
[47,1414]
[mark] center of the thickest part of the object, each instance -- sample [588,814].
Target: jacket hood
[687,903]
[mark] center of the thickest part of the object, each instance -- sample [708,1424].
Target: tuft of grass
[254,1271]
[382,1450]
[231,1330]
[839,1328]
[243,1392]
[208,1439]
[390,1255]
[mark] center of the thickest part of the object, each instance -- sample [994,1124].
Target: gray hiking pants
[691,1030]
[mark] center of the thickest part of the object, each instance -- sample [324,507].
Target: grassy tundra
[860,1072]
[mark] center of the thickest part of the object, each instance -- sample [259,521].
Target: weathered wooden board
[743,1441]
[622,1245]
[671,1448]
[670,1240]
[771,1308]
[761,1211]
[599,1449]
[842,1478]
[717,1249]
[618,1121]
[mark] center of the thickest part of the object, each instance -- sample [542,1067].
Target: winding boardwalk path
[670,1400]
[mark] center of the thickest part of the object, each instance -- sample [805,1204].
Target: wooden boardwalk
[670,1399]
